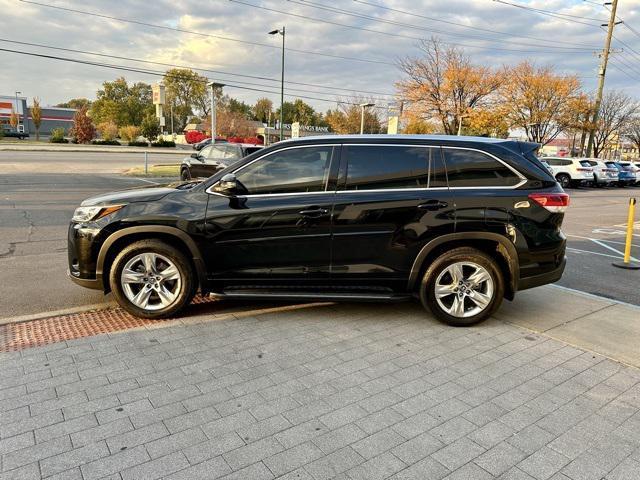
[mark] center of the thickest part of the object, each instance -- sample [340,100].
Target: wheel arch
[172,235]
[497,246]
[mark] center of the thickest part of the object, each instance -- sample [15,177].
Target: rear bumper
[543,278]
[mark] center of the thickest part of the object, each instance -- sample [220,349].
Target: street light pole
[362,107]
[18,112]
[214,126]
[281,32]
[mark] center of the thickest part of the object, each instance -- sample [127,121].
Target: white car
[602,174]
[570,172]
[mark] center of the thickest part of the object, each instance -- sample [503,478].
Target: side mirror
[227,184]
[195,155]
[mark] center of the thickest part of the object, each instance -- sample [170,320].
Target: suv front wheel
[151,279]
[462,287]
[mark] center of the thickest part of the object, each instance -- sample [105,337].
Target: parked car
[603,175]
[570,172]
[625,176]
[207,141]
[213,158]
[634,167]
[10,133]
[458,222]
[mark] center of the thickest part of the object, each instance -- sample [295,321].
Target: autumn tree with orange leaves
[539,101]
[443,85]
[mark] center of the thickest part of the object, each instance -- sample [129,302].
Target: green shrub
[105,142]
[138,144]
[57,136]
[164,143]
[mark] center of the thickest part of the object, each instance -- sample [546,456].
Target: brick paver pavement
[333,391]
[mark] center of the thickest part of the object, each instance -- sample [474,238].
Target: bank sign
[304,128]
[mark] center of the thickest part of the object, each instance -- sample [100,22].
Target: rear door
[391,200]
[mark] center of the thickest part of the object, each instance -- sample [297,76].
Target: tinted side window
[470,168]
[387,166]
[287,171]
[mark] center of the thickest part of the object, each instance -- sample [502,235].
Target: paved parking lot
[318,391]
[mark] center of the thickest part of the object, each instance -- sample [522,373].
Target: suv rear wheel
[462,287]
[151,279]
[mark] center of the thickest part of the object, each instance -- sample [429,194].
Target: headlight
[87,214]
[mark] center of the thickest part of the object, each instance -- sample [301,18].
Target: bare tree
[444,85]
[539,101]
[632,132]
[617,111]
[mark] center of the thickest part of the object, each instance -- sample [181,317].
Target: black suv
[459,222]
[213,158]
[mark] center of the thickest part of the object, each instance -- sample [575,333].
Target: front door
[391,200]
[277,228]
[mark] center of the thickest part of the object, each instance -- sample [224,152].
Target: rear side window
[471,168]
[374,167]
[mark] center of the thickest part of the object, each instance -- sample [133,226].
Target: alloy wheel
[151,281]
[464,289]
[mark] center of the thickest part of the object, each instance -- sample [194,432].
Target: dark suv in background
[459,222]
[213,158]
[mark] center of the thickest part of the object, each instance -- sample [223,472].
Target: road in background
[595,226]
[40,190]
[34,214]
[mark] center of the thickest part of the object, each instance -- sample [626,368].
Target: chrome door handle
[314,212]
[433,205]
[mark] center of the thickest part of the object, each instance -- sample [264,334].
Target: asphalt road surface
[36,204]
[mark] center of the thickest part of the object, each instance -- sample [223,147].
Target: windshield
[585,163]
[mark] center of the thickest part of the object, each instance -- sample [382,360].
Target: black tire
[564,180]
[461,254]
[185,288]
[185,175]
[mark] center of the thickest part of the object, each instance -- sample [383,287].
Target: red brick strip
[35,333]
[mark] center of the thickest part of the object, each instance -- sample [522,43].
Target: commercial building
[52,117]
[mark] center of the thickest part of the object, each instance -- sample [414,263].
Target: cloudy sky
[342,47]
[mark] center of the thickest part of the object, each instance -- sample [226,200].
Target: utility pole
[601,74]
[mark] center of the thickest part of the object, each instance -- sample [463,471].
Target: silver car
[602,174]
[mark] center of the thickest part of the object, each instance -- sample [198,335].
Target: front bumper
[93,283]
[543,278]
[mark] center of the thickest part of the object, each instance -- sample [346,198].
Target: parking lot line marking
[571,249]
[604,245]
[602,240]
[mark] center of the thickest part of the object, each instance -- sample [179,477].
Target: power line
[548,13]
[202,34]
[390,34]
[308,3]
[462,25]
[163,74]
[218,72]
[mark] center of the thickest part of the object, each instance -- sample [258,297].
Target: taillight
[554,202]
[584,169]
